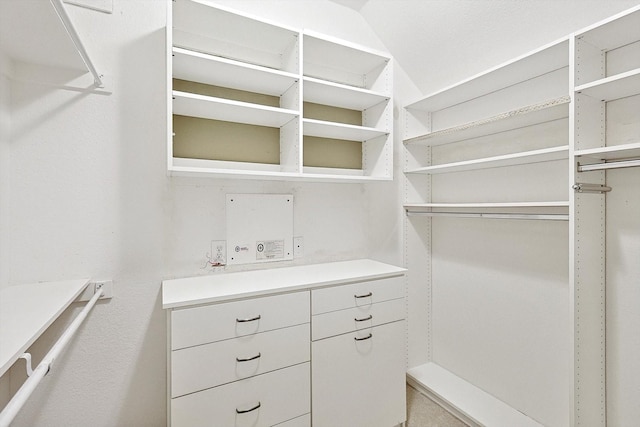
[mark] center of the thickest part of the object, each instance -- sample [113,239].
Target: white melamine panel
[337,95]
[233,286]
[510,120]
[334,60]
[205,366]
[355,295]
[500,311]
[213,70]
[534,156]
[614,87]
[616,31]
[283,395]
[206,324]
[624,151]
[357,318]
[526,67]
[467,401]
[322,129]
[303,421]
[360,383]
[26,311]
[215,30]
[209,107]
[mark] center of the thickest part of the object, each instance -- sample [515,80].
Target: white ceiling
[440,42]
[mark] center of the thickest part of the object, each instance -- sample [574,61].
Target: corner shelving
[323,104]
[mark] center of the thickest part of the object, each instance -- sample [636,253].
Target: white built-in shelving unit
[511,143]
[254,99]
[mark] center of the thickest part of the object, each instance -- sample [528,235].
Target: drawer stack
[241,363]
[358,341]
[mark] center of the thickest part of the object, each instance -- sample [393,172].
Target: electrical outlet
[218,252]
[298,247]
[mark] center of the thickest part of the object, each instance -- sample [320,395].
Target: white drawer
[209,365]
[282,395]
[357,318]
[216,322]
[356,294]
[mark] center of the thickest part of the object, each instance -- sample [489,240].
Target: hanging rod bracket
[590,188]
[27,359]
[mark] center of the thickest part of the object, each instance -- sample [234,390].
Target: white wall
[5,123]
[90,197]
[440,42]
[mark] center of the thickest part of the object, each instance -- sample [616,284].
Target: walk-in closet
[327,213]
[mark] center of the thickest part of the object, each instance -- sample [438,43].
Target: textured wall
[90,197]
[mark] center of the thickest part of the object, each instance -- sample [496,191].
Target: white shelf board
[464,399]
[208,107]
[527,116]
[218,71]
[548,58]
[229,27]
[625,151]
[340,55]
[613,87]
[339,95]
[427,206]
[526,157]
[323,129]
[230,286]
[26,311]
[614,32]
[32,32]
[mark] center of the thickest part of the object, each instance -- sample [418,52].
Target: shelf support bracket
[590,188]
[27,359]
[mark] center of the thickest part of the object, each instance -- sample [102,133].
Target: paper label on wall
[270,249]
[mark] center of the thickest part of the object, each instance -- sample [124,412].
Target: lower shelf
[464,400]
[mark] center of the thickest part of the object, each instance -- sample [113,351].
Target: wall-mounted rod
[582,187]
[523,216]
[609,165]
[22,395]
[68,25]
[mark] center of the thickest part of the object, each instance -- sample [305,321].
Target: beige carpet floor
[423,412]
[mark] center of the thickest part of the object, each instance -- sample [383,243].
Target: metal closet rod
[20,398]
[609,165]
[522,216]
[68,25]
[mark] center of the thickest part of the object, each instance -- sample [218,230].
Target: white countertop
[229,286]
[26,311]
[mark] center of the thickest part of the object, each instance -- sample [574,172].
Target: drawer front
[360,383]
[357,318]
[209,365]
[356,295]
[282,395]
[216,322]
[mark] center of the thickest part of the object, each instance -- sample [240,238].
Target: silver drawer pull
[369,317]
[252,319]
[363,296]
[244,411]
[238,359]
[365,338]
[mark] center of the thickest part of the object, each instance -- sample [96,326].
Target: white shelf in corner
[468,402]
[526,157]
[554,109]
[26,311]
[614,152]
[613,87]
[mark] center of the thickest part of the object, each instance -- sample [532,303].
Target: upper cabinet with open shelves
[253,99]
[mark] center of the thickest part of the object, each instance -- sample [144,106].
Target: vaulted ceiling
[440,42]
